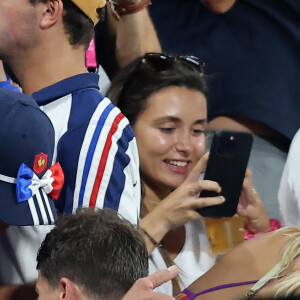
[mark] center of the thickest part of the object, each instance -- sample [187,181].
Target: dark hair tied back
[133,85]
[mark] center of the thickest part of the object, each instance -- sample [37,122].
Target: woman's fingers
[208,201]
[247,183]
[251,207]
[198,169]
[181,205]
[194,192]
[191,213]
[249,194]
[196,188]
[241,211]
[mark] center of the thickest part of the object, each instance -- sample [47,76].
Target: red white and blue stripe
[95,146]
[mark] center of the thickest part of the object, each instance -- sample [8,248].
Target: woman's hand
[180,206]
[251,208]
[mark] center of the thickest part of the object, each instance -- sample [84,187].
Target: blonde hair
[289,284]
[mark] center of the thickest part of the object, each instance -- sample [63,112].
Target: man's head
[91,255]
[26,24]
[90,8]
[45,41]
[77,24]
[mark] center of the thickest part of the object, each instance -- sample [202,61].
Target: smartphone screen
[227,163]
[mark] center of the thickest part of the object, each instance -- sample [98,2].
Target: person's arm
[218,6]
[130,197]
[17,292]
[123,38]
[100,162]
[143,287]
[134,32]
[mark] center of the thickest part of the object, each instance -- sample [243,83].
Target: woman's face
[170,136]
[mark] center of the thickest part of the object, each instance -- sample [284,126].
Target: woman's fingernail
[172,268]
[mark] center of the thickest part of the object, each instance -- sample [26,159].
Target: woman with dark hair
[164,99]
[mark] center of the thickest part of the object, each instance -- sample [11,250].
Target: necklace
[151,201]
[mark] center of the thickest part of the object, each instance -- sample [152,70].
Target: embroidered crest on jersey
[40,163]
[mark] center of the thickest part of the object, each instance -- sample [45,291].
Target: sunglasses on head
[161,61]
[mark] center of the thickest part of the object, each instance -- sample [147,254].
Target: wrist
[151,239]
[155,226]
[127,7]
[274,225]
[257,225]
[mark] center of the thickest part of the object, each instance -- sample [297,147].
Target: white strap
[7,179]
[266,278]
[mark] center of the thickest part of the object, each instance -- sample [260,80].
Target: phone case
[227,165]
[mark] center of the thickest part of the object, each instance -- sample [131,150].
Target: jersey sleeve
[101,165]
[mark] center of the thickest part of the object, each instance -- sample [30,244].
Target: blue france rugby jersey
[95,146]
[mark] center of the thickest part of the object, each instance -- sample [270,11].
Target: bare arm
[135,35]
[218,6]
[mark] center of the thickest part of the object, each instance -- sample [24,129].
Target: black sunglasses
[161,61]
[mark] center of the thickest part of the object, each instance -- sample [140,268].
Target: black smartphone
[227,163]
